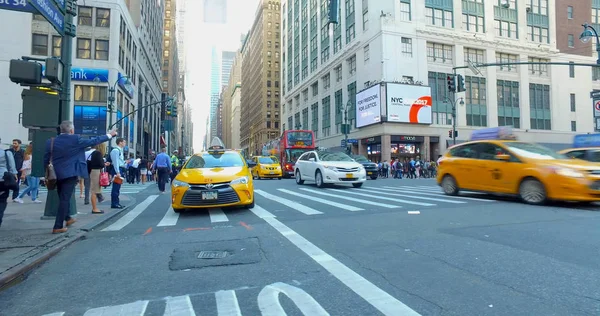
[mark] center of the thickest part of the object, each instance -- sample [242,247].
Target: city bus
[289,147]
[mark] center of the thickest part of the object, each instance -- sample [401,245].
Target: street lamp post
[346,126]
[111,99]
[587,34]
[461,101]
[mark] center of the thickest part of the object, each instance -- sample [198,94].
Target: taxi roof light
[494,133]
[216,146]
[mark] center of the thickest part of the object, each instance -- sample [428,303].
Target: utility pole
[453,103]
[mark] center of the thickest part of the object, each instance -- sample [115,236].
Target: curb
[37,260]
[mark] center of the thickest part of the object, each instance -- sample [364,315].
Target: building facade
[226,64]
[114,40]
[171,80]
[231,95]
[416,44]
[261,78]
[215,92]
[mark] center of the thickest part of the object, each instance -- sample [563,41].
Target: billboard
[408,104]
[368,106]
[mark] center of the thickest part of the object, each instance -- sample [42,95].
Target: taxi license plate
[369,172]
[272,172]
[349,175]
[210,195]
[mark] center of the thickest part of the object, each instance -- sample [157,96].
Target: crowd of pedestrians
[407,168]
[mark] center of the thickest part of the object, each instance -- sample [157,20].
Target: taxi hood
[202,175]
[573,164]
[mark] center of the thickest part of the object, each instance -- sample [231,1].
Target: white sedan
[325,167]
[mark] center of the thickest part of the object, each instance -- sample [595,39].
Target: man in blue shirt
[162,165]
[118,165]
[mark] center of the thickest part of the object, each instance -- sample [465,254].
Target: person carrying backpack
[8,179]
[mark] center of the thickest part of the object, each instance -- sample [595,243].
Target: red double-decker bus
[289,147]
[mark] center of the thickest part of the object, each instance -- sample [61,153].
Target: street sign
[596,108]
[343,143]
[48,9]
[17,5]
[594,94]
[352,141]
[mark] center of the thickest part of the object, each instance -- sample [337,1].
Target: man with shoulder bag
[8,179]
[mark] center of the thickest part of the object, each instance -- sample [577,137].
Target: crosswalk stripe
[217,215]
[170,218]
[352,199]
[395,189]
[261,212]
[316,199]
[398,193]
[55,314]
[354,192]
[293,205]
[227,304]
[426,188]
[179,306]
[132,309]
[129,217]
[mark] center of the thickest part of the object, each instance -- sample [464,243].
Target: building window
[475,100]
[338,110]
[90,93]
[442,110]
[573,126]
[290,122]
[352,100]
[337,44]
[595,73]
[365,20]
[539,104]
[315,88]
[439,17]
[539,69]
[473,23]
[338,73]
[439,53]
[571,69]
[84,48]
[570,12]
[305,118]
[571,40]
[102,17]
[56,46]
[405,14]
[475,56]
[352,65]
[101,49]
[572,99]
[507,58]
[538,34]
[39,44]
[326,116]
[509,113]
[314,117]
[506,29]
[406,44]
[350,33]
[326,82]
[85,16]
[366,54]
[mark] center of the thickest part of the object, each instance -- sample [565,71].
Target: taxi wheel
[357,185]
[249,206]
[279,178]
[178,210]
[449,185]
[319,179]
[299,178]
[532,191]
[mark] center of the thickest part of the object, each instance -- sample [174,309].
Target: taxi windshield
[533,151]
[215,161]
[266,161]
[333,156]
[595,155]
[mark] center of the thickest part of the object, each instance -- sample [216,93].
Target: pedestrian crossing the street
[298,202]
[126,188]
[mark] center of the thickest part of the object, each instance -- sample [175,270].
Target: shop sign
[408,138]
[372,140]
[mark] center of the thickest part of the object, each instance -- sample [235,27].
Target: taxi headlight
[242,180]
[330,167]
[571,173]
[177,183]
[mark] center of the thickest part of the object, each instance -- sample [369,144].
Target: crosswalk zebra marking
[398,193]
[261,212]
[430,193]
[170,218]
[294,205]
[55,314]
[179,306]
[316,199]
[227,303]
[217,215]
[133,309]
[352,199]
[129,217]
[354,192]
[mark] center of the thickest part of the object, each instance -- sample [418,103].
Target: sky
[199,39]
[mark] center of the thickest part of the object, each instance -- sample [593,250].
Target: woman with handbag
[33,183]
[96,165]
[8,181]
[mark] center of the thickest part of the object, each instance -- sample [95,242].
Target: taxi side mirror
[502,157]
[251,163]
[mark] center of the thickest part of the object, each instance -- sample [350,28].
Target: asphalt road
[393,247]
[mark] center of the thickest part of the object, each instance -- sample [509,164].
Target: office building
[226,64]
[170,73]
[231,103]
[259,107]
[215,91]
[114,40]
[413,46]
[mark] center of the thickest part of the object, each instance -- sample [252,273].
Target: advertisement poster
[89,120]
[368,106]
[409,104]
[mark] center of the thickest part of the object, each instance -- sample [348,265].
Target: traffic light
[455,134]
[450,134]
[169,109]
[173,109]
[460,84]
[451,84]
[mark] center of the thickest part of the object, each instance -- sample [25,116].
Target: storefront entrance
[373,148]
[406,147]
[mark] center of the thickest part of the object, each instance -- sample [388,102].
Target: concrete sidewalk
[26,240]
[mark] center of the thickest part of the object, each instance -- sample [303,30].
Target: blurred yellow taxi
[495,162]
[218,177]
[266,167]
[585,147]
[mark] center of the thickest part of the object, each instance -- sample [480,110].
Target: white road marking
[131,309]
[217,215]
[269,305]
[351,199]
[261,212]
[414,212]
[316,199]
[179,306]
[354,192]
[382,301]
[170,218]
[129,217]
[291,204]
[55,314]
[227,304]
[435,193]
[398,193]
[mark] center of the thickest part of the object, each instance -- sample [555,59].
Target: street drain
[212,254]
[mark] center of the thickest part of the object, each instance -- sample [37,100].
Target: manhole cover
[212,254]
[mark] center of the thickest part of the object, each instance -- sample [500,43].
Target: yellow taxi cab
[591,154]
[266,167]
[495,162]
[218,177]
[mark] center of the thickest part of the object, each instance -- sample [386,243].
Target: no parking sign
[596,108]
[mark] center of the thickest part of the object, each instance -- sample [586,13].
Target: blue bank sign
[17,5]
[50,11]
[85,74]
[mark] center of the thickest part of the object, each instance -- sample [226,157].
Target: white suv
[325,167]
